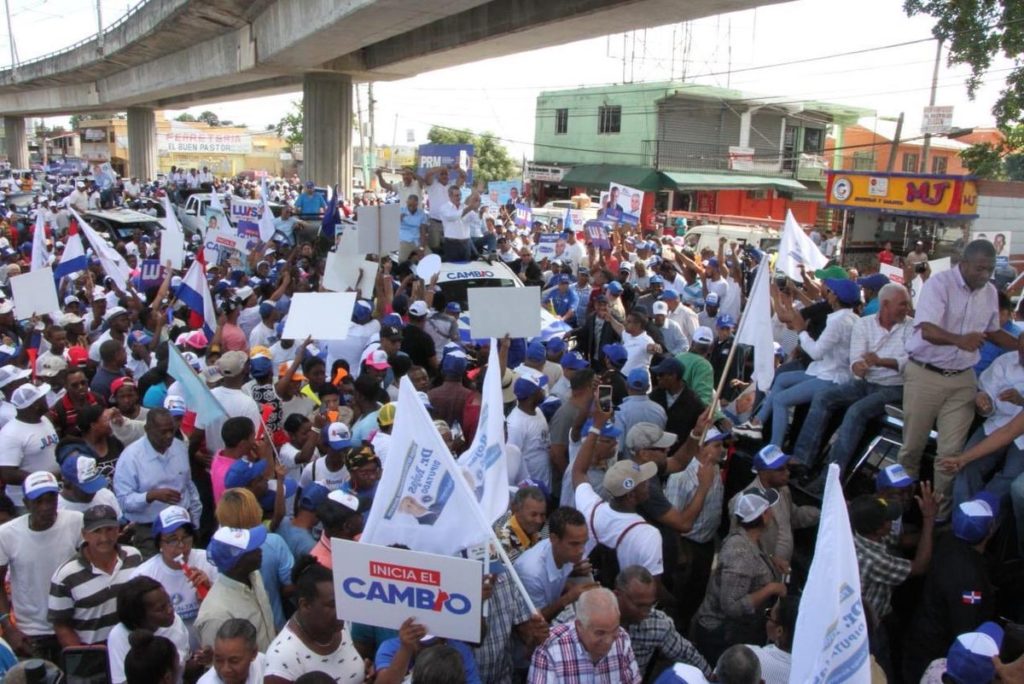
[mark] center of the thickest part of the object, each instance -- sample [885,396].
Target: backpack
[604,559]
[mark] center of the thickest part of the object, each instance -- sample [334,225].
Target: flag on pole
[796,249]
[756,327]
[113,263]
[423,500]
[41,256]
[330,221]
[197,395]
[831,640]
[266,224]
[195,292]
[484,465]
[73,258]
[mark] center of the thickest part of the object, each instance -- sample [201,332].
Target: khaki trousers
[930,398]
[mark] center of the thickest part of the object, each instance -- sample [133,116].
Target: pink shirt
[232,338]
[322,552]
[947,302]
[218,471]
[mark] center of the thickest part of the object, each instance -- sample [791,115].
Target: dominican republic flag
[195,292]
[73,259]
[970,598]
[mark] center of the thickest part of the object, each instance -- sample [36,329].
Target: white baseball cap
[753,503]
[26,395]
[418,308]
[660,308]
[9,374]
[703,335]
[345,499]
[39,483]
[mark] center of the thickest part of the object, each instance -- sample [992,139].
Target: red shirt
[885,257]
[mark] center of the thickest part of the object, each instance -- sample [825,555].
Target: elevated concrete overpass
[179,53]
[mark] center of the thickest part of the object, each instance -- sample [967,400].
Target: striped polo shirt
[85,598]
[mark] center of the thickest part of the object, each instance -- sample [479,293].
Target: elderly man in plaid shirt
[593,649]
[650,630]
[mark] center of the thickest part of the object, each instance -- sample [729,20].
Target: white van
[707,236]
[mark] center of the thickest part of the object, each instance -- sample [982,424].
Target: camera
[921,267]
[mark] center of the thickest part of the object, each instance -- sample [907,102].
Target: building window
[814,140]
[911,162]
[939,165]
[863,161]
[609,119]
[561,121]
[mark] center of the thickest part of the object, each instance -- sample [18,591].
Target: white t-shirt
[255,673]
[289,658]
[381,442]
[118,647]
[32,558]
[103,497]
[183,594]
[437,197]
[236,403]
[287,453]
[29,447]
[351,348]
[530,434]
[332,479]
[262,336]
[641,546]
[637,355]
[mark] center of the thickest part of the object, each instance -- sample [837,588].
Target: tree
[209,118]
[976,32]
[491,161]
[290,126]
[77,119]
[186,117]
[1000,161]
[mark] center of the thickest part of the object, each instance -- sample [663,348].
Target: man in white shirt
[457,245]
[676,341]
[132,188]
[28,443]
[528,428]
[437,183]
[776,656]
[545,567]
[877,357]
[640,346]
[234,366]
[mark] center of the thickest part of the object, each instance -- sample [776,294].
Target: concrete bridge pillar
[142,143]
[16,141]
[327,130]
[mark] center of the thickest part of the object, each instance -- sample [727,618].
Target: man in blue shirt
[309,204]
[563,299]
[412,231]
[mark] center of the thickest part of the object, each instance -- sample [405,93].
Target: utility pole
[362,140]
[931,103]
[394,143]
[10,38]
[372,153]
[99,26]
[894,148]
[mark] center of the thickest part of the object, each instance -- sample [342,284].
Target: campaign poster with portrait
[1000,239]
[623,204]
[505,191]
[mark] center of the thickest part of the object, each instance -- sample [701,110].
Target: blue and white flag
[195,292]
[796,249]
[73,259]
[197,395]
[484,465]
[41,256]
[831,641]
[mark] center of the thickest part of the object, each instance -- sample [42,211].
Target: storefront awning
[814,192]
[695,180]
[600,175]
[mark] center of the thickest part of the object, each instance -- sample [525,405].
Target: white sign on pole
[342,273]
[499,311]
[219,238]
[937,120]
[384,586]
[377,228]
[172,248]
[324,315]
[34,293]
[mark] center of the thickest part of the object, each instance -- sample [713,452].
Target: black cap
[390,332]
[869,512]
[98,517]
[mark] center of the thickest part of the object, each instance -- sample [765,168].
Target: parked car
[120,224]
[455,279]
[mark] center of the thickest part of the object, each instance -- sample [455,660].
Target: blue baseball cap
[242,472]
[669,295]
[616,352]
[170,519]
[725,321]
[526,387]
[615,287]
[360,312]
[453,308]
[770,457]
[556,345]
[260,366]
[715,435]
[81,471]
[969,659]
[670,365]
[973,519]
[453,364]
[656,280]
[339,436]
[229,544]
[564,279]
[312,496]
[711,299]
[638,379]
[875,281]
[267,308]
[573,361]
[713,262]
[893,476]
[535,351]
[39,483]
[846,291]
[140,337]
[609,429]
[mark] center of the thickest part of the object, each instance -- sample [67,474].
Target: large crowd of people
[663,511]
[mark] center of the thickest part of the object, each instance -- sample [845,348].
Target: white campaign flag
[831,640]
[41,256]
[423,499]
[113,263]
[756,327]
[484,465]
[172,238]
[796,249]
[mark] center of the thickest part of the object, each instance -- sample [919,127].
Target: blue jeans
[971,479]
[863,401]
[790,389]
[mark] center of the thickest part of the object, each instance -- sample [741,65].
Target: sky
[742,50]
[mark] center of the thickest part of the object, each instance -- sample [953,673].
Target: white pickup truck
[192,213]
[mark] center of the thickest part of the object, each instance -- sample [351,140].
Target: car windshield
[456,290]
